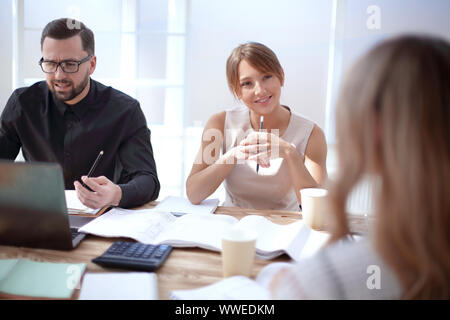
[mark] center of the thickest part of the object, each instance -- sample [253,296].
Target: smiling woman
[291,149]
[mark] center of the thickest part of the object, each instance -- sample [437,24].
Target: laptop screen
[33,210]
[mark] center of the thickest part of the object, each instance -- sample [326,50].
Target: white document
[205,231]
[74,205]
[179,206]
[119,286]
[296,239]
[234,288]
[142,225]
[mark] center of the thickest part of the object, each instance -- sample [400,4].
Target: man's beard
[69,95]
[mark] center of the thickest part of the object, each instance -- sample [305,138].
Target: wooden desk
[186,268]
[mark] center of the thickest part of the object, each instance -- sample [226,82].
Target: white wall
[363,23]
[396,17]
[297,31]
[361,33]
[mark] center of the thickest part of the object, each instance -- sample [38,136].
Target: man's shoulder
[115,96]
[120,104]
[27,97]
[36,90]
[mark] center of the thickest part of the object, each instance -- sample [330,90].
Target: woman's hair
[259,56]
[393,119]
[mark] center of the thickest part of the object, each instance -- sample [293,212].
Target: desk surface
[186,268]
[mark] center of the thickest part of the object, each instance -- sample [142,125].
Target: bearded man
[70,118]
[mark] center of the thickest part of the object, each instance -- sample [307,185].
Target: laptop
[33,210]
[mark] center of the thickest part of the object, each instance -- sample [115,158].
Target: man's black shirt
[106,119]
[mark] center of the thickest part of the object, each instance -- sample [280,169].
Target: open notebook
[205,231]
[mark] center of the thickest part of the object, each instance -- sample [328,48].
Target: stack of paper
[120,286]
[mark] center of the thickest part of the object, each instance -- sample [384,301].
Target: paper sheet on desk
[179,206]
[142,225]
[234,288]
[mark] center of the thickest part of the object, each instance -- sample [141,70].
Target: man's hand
[105,192]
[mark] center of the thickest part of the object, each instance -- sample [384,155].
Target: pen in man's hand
[92,170]
[261,121]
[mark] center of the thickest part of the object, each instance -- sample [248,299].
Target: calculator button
[149,250]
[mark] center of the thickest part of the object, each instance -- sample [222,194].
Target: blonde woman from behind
[392,121]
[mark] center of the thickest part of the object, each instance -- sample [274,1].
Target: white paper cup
[314,207]
[238,252]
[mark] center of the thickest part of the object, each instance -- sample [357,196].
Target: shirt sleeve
[9,139]
[139,179]
[312,278]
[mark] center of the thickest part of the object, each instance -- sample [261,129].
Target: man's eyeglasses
[68,66]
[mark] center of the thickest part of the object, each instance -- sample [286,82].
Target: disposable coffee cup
[238,252]
[314,207]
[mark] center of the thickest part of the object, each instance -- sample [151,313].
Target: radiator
[360,199]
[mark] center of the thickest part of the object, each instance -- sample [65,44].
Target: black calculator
[134,255]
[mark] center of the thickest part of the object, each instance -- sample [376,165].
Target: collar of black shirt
[81,107]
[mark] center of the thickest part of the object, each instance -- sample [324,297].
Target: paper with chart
[141,225]
[205,231]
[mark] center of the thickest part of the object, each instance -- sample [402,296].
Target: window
[140,49]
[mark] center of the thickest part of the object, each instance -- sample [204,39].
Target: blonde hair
[393,119]
[259,56]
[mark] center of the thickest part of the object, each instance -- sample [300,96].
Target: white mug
[314,207]
[238,252]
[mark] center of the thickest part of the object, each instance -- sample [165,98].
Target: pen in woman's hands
[261,121]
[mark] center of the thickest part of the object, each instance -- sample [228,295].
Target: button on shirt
[106,119]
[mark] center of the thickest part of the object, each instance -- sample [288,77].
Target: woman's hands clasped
[262,147]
